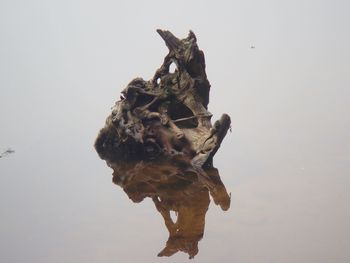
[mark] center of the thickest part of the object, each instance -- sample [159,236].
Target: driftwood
[165,117]
[160,143]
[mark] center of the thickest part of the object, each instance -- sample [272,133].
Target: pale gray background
[287,162]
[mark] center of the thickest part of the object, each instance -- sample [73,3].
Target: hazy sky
[287,161]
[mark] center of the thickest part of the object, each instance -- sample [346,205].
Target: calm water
[59,204]
[286,163]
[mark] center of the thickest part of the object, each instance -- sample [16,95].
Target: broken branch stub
[167,117]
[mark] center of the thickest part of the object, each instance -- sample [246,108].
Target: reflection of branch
[165,212]
[7,152]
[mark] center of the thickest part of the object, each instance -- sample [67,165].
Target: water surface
[286,163]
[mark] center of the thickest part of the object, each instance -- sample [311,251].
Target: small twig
[192,117]
[7,152]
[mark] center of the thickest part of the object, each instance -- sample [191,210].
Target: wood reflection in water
[174,188]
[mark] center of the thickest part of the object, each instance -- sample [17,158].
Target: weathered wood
[165,117]
[160,143]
